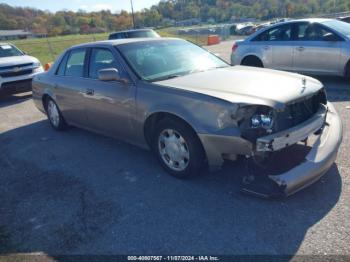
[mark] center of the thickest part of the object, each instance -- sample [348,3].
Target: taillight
[234,48]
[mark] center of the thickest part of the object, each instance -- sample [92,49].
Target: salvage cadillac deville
[191,108]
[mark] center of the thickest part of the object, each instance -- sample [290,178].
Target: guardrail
[335,15]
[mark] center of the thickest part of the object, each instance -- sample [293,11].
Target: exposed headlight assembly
[258,121]
[262,121]
[248,117]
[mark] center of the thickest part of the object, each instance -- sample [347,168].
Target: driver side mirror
[110,74]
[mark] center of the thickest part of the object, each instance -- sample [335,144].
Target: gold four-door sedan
[191,108]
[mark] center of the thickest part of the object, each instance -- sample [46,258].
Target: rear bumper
[318,161]
[234,59]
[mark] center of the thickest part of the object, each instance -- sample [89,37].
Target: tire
[54,115]
[252,61]
[178,148]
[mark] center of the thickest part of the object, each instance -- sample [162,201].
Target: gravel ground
[81,193]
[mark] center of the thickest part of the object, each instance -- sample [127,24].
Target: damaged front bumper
[322,155]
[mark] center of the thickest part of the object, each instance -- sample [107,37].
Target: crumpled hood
[249,85]
[17,60]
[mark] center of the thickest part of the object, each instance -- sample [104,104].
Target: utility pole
[133,16]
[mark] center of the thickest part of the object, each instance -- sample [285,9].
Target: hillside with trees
[164,14]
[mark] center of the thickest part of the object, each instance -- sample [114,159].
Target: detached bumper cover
[318,161]
[293,135]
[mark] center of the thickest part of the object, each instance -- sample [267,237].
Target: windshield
[339,26]
[9,50]
[160,60]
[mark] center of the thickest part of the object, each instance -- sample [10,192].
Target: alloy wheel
[173,149]
[53,113]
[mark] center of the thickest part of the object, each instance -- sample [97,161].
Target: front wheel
[54,115]
[178,148]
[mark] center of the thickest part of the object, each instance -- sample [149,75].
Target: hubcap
[173,149]
[52,111]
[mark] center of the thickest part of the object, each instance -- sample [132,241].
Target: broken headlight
[262,121]
[257,121]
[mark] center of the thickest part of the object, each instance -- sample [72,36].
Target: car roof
[133,30]
[309,20]
[312,20]
[117,42]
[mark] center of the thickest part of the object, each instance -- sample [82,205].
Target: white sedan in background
[311,46]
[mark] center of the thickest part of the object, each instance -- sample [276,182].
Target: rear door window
[280,33]
[75,63]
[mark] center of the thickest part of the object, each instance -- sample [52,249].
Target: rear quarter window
[62,66]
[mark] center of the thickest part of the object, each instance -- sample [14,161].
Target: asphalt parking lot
[76,192]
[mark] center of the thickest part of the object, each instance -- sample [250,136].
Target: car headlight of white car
[37,67]
[36,64]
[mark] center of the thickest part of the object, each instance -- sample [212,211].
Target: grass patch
[47,49]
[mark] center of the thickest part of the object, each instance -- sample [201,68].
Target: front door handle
[300,48]
[90,92]
[266,47]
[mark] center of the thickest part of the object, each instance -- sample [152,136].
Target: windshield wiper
[207,69]
[217,67]
[172,76]
[197,71]
[165,77]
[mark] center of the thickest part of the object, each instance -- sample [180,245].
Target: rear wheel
[178,148]
[252,61]
[54,115]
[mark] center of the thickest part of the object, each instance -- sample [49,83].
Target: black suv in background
[137,33]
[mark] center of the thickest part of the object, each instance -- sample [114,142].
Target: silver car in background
[311,46]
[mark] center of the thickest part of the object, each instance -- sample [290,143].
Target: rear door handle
[90,92]
[266,47]
[300,48]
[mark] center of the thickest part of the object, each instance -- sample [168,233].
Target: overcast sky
[88,5]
